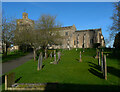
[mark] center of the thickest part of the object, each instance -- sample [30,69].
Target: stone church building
[73,38]
[81,38]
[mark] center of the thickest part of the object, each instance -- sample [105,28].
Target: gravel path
[12,64]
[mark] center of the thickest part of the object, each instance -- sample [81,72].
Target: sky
[85,15]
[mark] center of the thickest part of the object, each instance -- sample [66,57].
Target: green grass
[13,55]
[71,74]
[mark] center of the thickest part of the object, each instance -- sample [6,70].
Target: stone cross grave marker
[105,68]
[80,57]
[9,80]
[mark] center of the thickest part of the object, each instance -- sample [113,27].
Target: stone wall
[9,80]
[81,38]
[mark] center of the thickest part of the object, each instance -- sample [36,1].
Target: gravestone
[69,47]
[80,57]
[105,68]
[51,54]
[55,62]
[102,61]
[59,56]
[96,53]
[45,53]
[83,49]
[9,80]
[99,58]
[40,61]
[38,68]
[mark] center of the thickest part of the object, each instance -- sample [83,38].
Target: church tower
[25,15]
[25,22]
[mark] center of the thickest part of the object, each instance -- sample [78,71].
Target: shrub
[96,45]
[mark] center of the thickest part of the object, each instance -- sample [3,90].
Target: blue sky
[88,15]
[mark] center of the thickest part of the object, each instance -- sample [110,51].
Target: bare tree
[8,25]
[43,34]
[27,36]
[115,28]
[49,30]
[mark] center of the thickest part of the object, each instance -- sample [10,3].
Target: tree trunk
[26,48]
[5,50]
[45,53]
[34,51]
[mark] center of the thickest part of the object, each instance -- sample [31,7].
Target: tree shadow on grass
[43,66]
[96,73]
[59,87]
[94,66]
[18,79]
[79,87]
[113,71]
[95,70]
[78,60]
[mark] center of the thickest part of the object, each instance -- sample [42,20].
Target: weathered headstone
[59,56]
[96,53]
[99,58]
[55,62]
[9,80]
[105,68]
[40,61]
[83,49]
[38,68]
[51,54]
[69,47]
[45,53]
[80,57]
[102,61]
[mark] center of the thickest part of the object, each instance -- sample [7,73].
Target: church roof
[68,27]
[99,29]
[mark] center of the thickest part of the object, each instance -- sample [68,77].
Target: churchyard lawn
[70,74]
[13,55]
